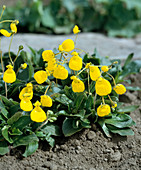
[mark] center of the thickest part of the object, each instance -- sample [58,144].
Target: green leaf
[127,109]
[15,132]
[22,122]
[31,148]
[128,60]
[4,112]
[25,140]
[14,118]
[52,129]
[48,19]
[89,102]
[3,148]
[62,98]
[68,129]
[50,140]
[79,102]
[101,122]
[6,135]
[133,88]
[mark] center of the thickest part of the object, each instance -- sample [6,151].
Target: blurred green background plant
[114,17]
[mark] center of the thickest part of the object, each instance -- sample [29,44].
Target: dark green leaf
[128,60]
[133,88]
[50,140]
[6,134]
[127,109]
[68,129]
[14,118]
[52,129]
[31,148]
[101,122]
[3,148]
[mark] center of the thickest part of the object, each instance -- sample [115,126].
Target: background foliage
[114,17]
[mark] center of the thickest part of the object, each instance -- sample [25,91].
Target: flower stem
[88,81]
[103,100]
[46,90]
[9,49]
[112,78]
[81,71]
[95,99]
[16,56]
[3,73]
[6,21]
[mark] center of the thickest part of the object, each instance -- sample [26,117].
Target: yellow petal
[68,45]
[46,101]
[9,75]
[94,73]
[104,68]
[24,91]
[77,85]
[40,76]
[26,105]
[60,72]
[13,27]
[120,89]
[38,115]
[76,29]
[75,63]
[5,33]
[48,55]
[103,87]
[103,110]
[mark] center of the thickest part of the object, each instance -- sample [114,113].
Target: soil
[89,149]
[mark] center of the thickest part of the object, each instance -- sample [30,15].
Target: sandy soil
[90,149]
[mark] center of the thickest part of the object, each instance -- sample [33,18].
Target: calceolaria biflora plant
[59,92]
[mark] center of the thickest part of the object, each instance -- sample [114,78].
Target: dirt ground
[89,149]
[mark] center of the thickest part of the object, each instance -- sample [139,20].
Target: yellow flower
[94,72]
[87,65]
[120,89]
[76,29]
[9,75]
[13,27]
[24,66]
[40,76]
[75,63]
[77,84]
[26,104]
[68,45]
[74,53]
[114,105]
[103,110]
[103,87]
[104,68]
[60,72]
[37,114]
[5,33]
[60,48]
[46,101]
[48,55]
[51,65]
[26,91]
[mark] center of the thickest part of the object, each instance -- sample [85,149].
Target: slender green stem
[18,70]
[6,21]
[9,49]
[3,73]
[16,56]
[88,81]
[81,71]
[46,90]
[1,14]
[75,39]
[103,100]
[112,78]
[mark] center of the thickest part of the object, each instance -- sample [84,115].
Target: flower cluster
[55,66]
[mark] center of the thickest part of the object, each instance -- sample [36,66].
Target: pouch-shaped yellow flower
[13,27]
[46,101]
[5,33]
[52,65]
[75,63]
[94,72]
[40,76]
[60,72]
[103,110]
[68,45]
[25,91]
[120,89]
[60,48]
[104,68]
[37,114]
[9,75]
[77,84]
[48,55]
[26,105]
[76,29]
[23,66]
[103,87]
